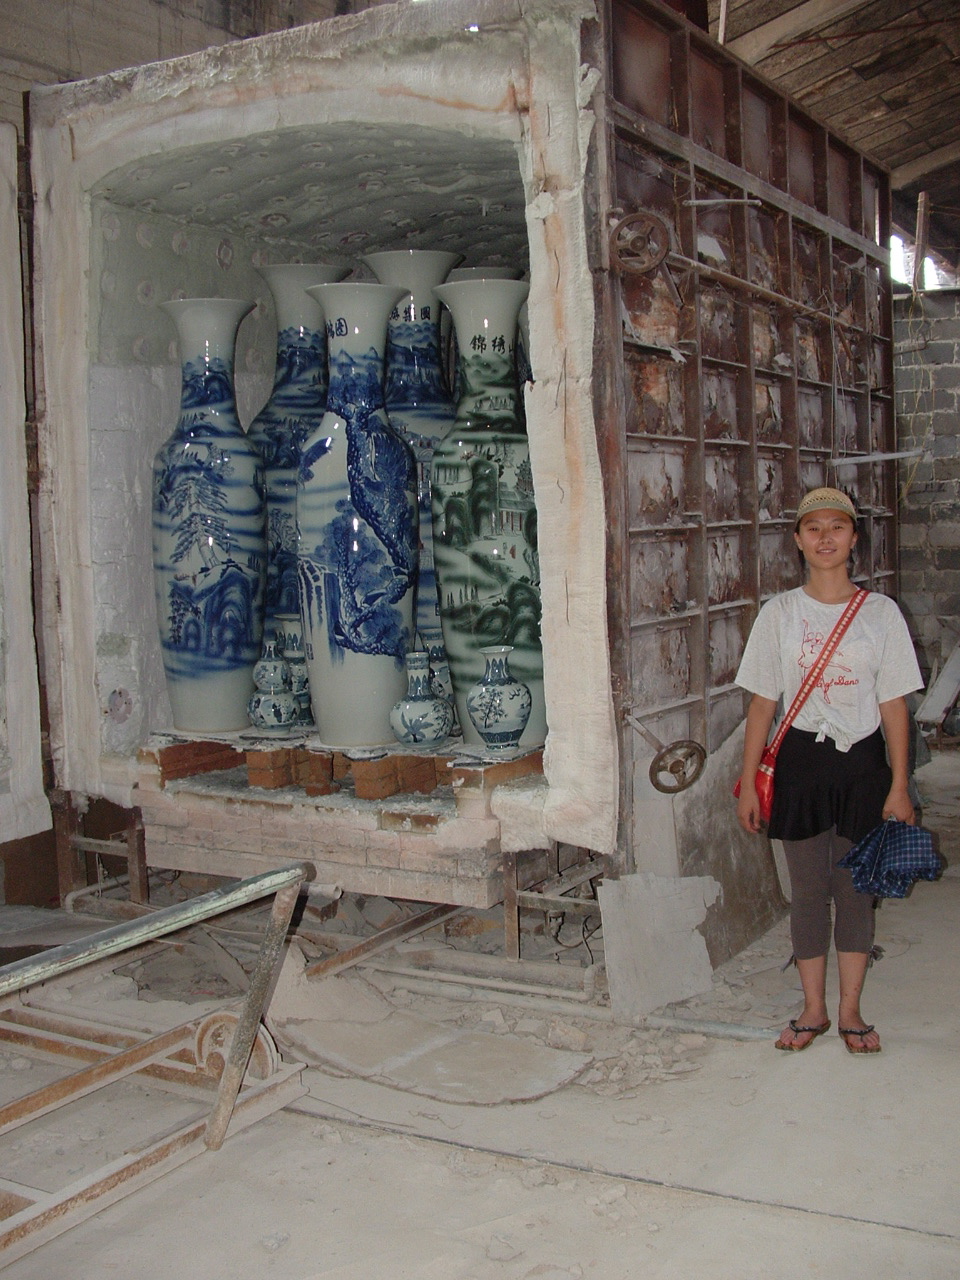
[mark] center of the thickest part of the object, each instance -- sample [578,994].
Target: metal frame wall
[743,258]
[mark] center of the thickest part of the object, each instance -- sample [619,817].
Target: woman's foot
[859,1037]
[800,1034]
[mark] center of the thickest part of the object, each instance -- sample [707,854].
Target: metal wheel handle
[678,766]
[640,242]
[673,768]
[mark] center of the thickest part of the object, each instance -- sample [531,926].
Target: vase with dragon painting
[295,408]
[484,514]
[419,405]
[357,529]
[422,717]
[209,541]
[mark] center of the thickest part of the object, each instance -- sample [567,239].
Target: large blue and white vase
[484,515]
[419,404]
[295,409]
[357,527]
[209,538]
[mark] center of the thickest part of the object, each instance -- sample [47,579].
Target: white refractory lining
[23,805]
[392,128]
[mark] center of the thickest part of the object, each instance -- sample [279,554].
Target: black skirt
[816,787]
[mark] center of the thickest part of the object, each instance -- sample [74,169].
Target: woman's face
[826,538]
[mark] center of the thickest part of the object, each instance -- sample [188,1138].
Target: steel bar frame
[46,1215]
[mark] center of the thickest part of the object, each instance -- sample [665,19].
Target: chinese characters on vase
[380,540]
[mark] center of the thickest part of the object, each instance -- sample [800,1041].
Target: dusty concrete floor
[672,1156]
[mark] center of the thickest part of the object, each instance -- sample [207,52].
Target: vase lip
[405,255]
[515,291]
[355,291]
[497,649]
[397,262]
[460,274]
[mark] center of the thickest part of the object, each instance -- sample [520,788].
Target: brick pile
[398,824]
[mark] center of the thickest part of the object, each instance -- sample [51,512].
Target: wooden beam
[798,21]
[905,174]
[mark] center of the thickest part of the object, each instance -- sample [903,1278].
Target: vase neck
[301,360]
[414,373]
[207,330]
[485,320]
[356,327]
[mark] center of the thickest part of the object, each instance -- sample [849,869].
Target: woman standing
[834,781]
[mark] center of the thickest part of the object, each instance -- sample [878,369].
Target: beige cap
[826,500]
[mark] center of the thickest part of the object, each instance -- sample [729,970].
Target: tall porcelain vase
[209,548]
[484,517]
[357,525]
[418,402]
[294,410]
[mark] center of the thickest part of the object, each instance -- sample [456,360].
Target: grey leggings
[815,880]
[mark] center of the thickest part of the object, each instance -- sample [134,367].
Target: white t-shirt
[874,662]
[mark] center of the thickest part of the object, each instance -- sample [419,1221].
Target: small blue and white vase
[357,530]
[273,707]
[422,718]
[499,704]
[209,535]
[290,646]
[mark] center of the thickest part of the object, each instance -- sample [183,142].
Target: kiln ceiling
[341,189]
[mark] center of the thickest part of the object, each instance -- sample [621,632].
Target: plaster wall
[512,94]
[23,805]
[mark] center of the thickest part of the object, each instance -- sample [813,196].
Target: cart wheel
[678,766]
[212,1046]
[640,242]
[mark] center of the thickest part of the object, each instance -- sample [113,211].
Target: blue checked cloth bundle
[886,862]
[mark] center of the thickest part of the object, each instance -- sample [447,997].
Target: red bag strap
[818,668]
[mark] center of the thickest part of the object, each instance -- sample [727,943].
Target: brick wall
[927,380]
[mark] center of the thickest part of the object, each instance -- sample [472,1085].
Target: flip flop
[857,1031]
[797,1030]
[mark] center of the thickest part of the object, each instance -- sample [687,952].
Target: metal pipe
[111,882]
[707,1027]
[473,980]
[248,1023]
[594,1013]
[121,937]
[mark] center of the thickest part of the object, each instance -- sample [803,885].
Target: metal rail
[284,884]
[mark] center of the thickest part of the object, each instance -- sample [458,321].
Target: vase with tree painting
[209,536]
[484,514]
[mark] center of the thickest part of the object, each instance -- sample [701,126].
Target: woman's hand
[759,719]
[748,807]
[896,730]
[899,805]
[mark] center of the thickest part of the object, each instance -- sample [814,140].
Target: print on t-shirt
[836,677]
